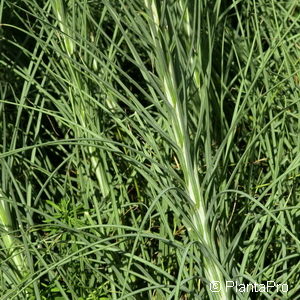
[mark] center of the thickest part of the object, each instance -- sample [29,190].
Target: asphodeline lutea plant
[164,41]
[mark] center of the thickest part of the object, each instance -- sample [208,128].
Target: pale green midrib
[212,271]
[193,189]
[11,243]
[97,165]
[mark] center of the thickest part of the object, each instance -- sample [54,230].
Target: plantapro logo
[270,286]
[215,286]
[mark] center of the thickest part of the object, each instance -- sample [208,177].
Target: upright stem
[11,243]
[165,69]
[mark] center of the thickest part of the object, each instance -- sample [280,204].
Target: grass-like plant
[148,149]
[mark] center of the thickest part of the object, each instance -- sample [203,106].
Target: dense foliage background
[149,147]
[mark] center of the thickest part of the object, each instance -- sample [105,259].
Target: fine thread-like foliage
[149,148]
